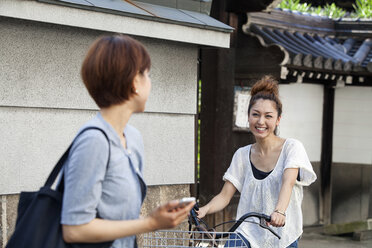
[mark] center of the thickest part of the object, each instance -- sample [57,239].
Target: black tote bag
[39,215]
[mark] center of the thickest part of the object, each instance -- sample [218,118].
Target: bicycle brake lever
[263,224]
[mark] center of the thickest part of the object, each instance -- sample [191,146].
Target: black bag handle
[57,168]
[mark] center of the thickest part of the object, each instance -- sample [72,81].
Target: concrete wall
[43,103]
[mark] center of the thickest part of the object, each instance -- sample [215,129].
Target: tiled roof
[322,52]
[147,11]
[314,45]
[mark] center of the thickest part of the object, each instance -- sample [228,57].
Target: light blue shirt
[113,191]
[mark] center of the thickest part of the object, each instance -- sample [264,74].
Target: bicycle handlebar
[264,219]
[251,214]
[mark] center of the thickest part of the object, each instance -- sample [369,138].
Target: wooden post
[217,75]
[326,155]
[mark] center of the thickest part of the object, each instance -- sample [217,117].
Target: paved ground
[315,240]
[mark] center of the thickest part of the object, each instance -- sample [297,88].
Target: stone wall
[156,195]
[8,215]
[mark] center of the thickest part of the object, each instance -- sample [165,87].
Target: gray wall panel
[169,147]
[40,67]
[174,77]
[35,138]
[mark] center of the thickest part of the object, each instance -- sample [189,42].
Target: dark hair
[266,88]
[110,66]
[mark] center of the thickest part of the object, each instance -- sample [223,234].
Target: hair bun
[266,85]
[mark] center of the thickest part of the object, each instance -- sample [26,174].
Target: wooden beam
[326,154]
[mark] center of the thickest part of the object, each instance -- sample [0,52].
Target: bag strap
[57,168]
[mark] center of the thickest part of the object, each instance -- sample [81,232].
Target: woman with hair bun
[269,174]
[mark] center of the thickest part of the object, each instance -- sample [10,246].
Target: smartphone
[185,201]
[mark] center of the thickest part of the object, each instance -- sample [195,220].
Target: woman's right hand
[202,211]
[218,202]
[168,215]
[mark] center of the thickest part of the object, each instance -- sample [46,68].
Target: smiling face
[263,118]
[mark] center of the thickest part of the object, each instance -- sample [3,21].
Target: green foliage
[317,10]
[294,5]
[332,11]
[363,9]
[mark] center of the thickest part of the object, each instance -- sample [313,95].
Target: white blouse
[261,196]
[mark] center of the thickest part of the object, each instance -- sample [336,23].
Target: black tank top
[258,174]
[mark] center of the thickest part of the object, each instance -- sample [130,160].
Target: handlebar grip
[196,206]
[266,217]
[194,217]
[251,214]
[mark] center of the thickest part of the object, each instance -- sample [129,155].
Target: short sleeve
[236,172]
[296,157]
[84,172]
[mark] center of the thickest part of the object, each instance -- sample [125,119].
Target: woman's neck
[265,146]
[117,116]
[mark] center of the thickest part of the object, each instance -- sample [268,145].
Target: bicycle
[200,235]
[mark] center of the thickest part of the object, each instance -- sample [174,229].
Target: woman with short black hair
[103,182]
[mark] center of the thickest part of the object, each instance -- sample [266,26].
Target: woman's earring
[136,91]
[277,131]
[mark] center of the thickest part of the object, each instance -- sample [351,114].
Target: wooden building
[325,71]
[43,101]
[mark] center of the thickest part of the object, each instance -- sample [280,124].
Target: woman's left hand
[168,215]
[277,219]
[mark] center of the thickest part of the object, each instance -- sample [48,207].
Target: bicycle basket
[178,238]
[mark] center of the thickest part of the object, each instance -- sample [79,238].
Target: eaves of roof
[316,47]
[147,11]
[119,16]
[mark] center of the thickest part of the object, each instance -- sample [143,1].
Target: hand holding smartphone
[183,202]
